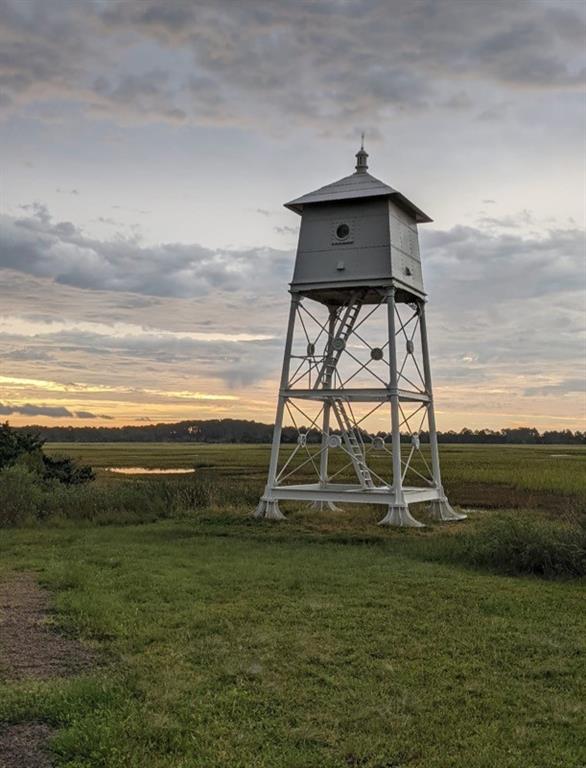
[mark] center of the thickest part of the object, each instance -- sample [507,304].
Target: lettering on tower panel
[405,259]
[403,232]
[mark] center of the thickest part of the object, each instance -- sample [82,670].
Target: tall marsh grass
[27,499]
[519,545]
[533,546]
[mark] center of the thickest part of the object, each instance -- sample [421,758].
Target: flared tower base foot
[268,510]
[442,511]
[399,515]
[323,506]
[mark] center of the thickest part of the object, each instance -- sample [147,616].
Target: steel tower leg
[440,509]
[268,507]
[323,461]
[398,511]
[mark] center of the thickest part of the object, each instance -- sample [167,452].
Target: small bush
[15,444]
[523,545]
[21,497]
[26,448]
[66,470]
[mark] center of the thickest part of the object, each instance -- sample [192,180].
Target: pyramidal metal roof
[359,185]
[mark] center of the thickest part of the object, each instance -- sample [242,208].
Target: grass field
[477,475]
[322,641]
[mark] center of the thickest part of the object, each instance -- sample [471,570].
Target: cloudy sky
[148,146]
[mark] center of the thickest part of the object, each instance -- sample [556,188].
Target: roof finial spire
[361,157]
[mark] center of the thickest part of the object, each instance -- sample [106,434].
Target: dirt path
[24,746]
[29,648]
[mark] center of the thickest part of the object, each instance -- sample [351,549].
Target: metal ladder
[353,443]
[338,343]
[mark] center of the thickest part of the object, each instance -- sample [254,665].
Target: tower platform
[353,493]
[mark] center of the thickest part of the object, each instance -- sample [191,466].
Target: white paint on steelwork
[358,255]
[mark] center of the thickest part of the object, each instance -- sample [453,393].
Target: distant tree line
[242,431]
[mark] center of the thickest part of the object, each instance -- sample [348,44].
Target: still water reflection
[148,471]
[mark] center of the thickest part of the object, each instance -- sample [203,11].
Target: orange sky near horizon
[457,407]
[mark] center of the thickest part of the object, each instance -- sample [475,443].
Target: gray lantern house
[357,263]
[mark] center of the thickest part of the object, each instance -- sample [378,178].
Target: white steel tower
[357,344]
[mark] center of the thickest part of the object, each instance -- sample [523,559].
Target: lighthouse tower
[355,417]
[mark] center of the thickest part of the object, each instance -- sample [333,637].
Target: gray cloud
[26,354]
[147,94]
[468,264]
[321,64]
[286,230]
[520,220]
[89,415]
[568,386]
[473,267]
[236,364]
[58,250]
[53,411]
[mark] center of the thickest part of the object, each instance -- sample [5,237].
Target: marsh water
[149,471]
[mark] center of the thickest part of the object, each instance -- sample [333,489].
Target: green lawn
[322,641]
[227,649]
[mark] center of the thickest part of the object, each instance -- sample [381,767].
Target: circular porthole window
[342,231]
